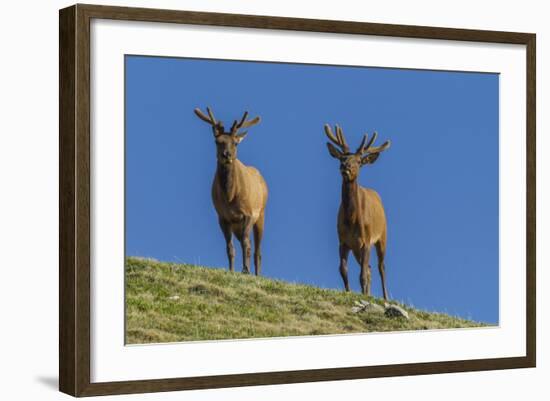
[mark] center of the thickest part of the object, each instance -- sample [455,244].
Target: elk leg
[226,229]
[380,252]
[245,244]
[344,253]
[365,276]
[258,234]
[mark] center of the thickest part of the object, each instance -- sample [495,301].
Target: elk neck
[227,178]
[350,200]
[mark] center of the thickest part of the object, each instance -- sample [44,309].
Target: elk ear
[239,138]
[333,151]
[369,158]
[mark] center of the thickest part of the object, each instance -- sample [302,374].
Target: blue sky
[438,181]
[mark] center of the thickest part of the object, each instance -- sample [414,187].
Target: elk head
[351,163]
[227,141]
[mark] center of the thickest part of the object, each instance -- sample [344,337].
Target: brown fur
[239,193]
[361,217]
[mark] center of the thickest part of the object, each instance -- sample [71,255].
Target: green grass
[168,302]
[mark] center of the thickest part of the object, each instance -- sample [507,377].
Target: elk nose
[226,153]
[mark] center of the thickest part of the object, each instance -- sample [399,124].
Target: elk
[361,217]
[239,192]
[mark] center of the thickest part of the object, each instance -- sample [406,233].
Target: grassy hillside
[168,302]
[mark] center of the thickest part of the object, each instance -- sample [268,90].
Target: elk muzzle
[226,157]
[346,174]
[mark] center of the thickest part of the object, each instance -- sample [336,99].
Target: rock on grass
[396,311]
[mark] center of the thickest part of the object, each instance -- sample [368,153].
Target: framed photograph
[249,200]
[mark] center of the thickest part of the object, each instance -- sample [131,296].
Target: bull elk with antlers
[239,192]
[361,217]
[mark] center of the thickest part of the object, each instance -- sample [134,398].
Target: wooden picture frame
[74,199]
